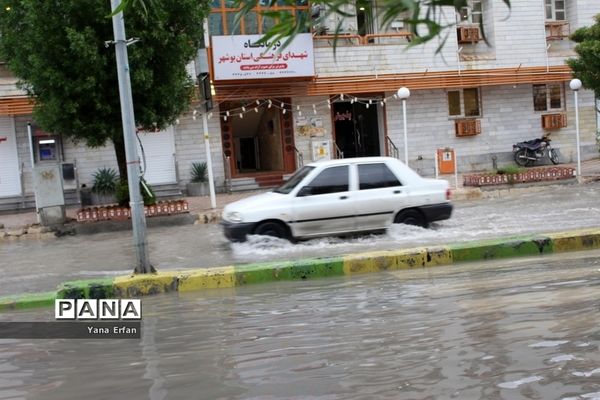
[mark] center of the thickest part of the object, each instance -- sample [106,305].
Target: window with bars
[555,10]
[222,16]
[464,103]
[547,97]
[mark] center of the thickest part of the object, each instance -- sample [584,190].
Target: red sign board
[3,139]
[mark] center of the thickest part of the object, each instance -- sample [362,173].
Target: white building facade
[275,109]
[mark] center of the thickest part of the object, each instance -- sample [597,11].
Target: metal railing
[227,172]
[391,148]
[339,154]
[299,158]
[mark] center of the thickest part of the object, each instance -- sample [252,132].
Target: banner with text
[241,57]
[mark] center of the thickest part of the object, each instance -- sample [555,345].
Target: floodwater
[28,265]
[520,329]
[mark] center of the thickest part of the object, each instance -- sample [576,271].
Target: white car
[338,197]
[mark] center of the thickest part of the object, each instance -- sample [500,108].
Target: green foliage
[425,18]
[199,172]
[105,181]
[586,66]
[122,194]
[58,52]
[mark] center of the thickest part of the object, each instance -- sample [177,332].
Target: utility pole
[136,203]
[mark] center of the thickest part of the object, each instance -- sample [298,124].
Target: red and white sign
[240,57]
[3,139]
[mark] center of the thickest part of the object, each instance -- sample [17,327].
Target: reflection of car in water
[339,197]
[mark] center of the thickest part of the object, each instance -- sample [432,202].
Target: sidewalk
[201,206]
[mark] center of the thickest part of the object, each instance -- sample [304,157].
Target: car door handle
[397,191]
[343,197]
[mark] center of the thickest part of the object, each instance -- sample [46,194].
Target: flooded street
[30,265]
[514,329]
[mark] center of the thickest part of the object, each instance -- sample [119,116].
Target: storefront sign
[240,57]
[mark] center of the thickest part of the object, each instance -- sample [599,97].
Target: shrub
[105,181]
[122,194]
[199,172]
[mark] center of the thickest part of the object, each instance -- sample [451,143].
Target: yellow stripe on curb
[576,240]
[438,256]
[208,278]
[144,284]
[384,261]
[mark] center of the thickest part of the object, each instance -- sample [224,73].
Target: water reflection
[506,330]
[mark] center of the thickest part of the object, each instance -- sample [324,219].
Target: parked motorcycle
[530,151]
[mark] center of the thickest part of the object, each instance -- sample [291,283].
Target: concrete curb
[239,275]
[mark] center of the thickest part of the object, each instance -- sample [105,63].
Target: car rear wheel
[272,228]
[411,217]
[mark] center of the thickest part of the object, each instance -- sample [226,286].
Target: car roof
[352,161]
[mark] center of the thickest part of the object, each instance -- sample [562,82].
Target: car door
[380,193]
[324,205]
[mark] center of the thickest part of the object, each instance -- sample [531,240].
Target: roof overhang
[357,84]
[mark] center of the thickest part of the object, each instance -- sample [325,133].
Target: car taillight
[448,194]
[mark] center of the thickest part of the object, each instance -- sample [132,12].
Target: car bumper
[237,231]
[437,212]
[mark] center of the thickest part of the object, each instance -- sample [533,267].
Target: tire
[411,217]
[273,229]
[554,156]
[521,158]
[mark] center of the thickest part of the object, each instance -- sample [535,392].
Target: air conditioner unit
[467,34]
[554,121]
[467,127]
[397,24]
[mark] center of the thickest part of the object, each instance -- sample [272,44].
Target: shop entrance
[356,129]
[260,142]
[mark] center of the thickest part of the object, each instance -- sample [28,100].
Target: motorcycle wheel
[522,158]
[554,156]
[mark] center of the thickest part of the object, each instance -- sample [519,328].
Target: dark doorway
[248,154]
[356,129]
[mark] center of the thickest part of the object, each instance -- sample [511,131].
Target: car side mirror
[304,191]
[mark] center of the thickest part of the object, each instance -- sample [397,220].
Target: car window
[330,180]
[294,180]
[373,176]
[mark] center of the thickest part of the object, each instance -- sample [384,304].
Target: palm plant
[199,172]
[105,181]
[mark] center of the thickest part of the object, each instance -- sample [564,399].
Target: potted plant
[105,186]
[199,184]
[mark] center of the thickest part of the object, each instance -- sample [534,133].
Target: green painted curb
[28,300]
[86,289]
[306,269]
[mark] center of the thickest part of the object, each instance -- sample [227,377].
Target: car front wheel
[272,228]
[411,217]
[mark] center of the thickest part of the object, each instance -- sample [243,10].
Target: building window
[472,13]
[547,97]
[555,10]
[464,103]
[222,17]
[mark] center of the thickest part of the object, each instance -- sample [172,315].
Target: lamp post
[403,94]
[575,85]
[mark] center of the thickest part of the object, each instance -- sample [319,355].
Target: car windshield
[294,180]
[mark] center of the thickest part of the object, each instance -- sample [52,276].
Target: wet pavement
[512,329]
[30,265]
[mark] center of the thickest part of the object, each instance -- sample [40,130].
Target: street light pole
[403,94]
[575,85]
[138,220]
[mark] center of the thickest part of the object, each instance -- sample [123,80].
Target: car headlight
[234,216]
